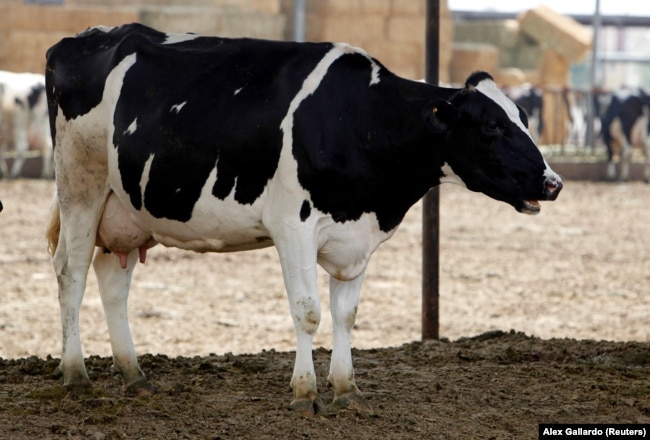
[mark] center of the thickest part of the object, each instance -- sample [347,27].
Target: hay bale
[553,69]
[556,118]
[509,77]
[501,33]
[470,57]
[559,32]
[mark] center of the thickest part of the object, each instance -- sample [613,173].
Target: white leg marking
[611,170]
[344,300]
[297,253]
[114,283]
[626,155]
[70,296]
[71,262]
[20,136]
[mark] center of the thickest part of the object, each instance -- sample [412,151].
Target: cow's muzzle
[552,187]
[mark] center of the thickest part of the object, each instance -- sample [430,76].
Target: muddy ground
[544,319]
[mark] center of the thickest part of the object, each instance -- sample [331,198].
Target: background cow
[24,122]
[529,98]
[625,125]
[214,144]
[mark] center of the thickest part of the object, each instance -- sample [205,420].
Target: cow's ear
[440,116]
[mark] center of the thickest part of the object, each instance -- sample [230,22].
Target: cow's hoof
[351,401]
[79,391]
[308,406]
[140,388]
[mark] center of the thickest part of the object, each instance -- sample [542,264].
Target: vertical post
[431,201]
[299,20]
[590,137]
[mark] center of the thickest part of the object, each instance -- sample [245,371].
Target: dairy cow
[531,101]
[215,144]
[24,121]
[625,125]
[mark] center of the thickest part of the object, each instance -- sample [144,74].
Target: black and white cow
[214,144]
[625,125]
[530,99]
[24,122]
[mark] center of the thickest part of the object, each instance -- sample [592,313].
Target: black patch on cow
[305,210]
[364,148]
[476,77]
[35,94]
[531,102]
[235,95]
[77,68]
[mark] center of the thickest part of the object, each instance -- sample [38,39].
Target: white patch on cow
[103,28]
[238,90]
[374,75]
[144,178]
[132,127]
[114,82]
[179,38]
[177,108]
[309,86]
[359,238]
[550,174]
[448,176]
[490,89]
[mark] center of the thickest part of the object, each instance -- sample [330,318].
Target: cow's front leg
[646,160]
[21,143]
[344,300]
[626,158]
[114,283]
[299,271]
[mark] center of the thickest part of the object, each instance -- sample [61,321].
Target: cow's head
[488,147]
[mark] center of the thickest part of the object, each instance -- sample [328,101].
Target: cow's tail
[53,226]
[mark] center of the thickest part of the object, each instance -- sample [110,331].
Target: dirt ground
[543,318]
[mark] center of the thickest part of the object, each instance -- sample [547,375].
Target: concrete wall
[390,30]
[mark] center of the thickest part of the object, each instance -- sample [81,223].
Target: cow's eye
[492,128]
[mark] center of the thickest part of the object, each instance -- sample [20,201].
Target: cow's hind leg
[114,283]
[344,300]
[79,218]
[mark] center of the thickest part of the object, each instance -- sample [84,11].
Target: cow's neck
[418,158]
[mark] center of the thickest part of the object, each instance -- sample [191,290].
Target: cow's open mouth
[530,207]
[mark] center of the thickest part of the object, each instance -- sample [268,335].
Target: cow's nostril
[553,186]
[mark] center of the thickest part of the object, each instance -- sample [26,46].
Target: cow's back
[178,116]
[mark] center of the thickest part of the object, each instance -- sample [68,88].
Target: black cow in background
[530,100]
[625,125]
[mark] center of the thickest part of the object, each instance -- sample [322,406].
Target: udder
[118,233]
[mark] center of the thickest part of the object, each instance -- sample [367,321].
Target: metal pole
[590,137]
[299,20]
[431,201]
